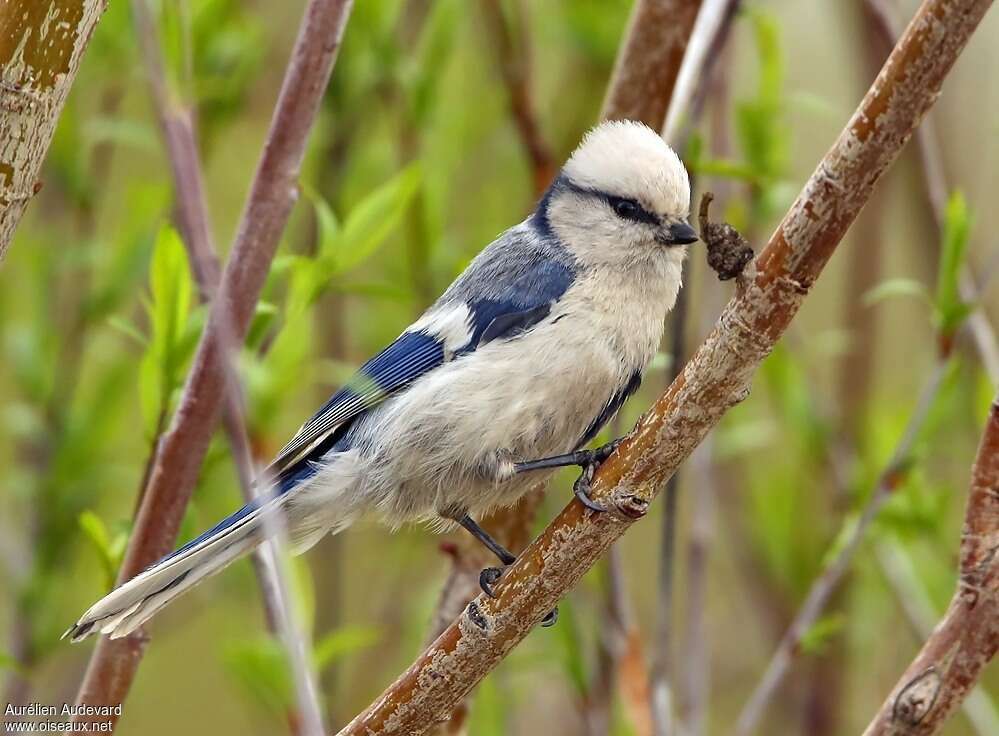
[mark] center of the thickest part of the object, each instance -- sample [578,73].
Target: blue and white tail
[306,509]
[128,606]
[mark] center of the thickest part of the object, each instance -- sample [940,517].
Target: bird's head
[622,197]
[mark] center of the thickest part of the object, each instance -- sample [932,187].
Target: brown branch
[717,377]
[899,572]
[649,61]
[272,195]
[514,66]
[952,659]
[41,46]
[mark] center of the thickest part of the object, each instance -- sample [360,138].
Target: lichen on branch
[41,46]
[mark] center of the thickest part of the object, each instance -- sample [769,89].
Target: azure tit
[509,374]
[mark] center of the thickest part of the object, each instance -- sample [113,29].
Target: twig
[176,124]
[708,39]
[826,584]
[273,192]
[38,63]
[514,65]
[647,66]
[696,654]
[966,639]
[898,570]
[717,377]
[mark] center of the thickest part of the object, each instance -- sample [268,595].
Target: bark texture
[649,61]
[41,46]
[717,377]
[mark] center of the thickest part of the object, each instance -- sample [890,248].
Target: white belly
[443,443]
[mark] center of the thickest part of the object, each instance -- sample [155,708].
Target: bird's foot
[491,575]
[583,486]
[588,460]
[487,578]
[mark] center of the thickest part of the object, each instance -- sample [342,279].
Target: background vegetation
[415,165]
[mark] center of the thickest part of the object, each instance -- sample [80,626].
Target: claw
[581,489]
[550,619]
[487,578]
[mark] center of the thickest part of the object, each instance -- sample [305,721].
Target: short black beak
[681,234]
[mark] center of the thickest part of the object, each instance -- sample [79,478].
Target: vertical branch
[647,66]
[514,66]
[966,639]
[41,46]
[178,461]
[707,44]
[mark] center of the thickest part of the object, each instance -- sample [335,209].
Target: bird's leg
[588,460]
[505,556]
[490,575]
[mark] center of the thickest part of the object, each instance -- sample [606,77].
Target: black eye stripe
[629,209]
[639,214]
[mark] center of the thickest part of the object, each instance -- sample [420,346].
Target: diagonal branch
[717,377]
[178,460]
[951,661]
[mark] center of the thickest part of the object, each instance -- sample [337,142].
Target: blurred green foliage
[413,167]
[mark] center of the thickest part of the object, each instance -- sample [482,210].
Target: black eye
[626,208]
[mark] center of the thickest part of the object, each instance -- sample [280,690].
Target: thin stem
[828,581]
[179,136]
[273,192]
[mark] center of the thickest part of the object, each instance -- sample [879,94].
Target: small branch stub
[917,698]
[728,252]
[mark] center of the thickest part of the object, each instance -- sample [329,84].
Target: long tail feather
[131,604]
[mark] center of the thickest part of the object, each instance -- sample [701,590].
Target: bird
[510,374]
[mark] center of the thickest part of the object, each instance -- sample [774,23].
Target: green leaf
[94,530]
[264,317]
[372,220]
[260,668]
[173,326]
[341,642]
[817,638]
[891,288]
[128,329]
[950,307]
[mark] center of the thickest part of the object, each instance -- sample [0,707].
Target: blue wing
[409,357]
[506,302]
